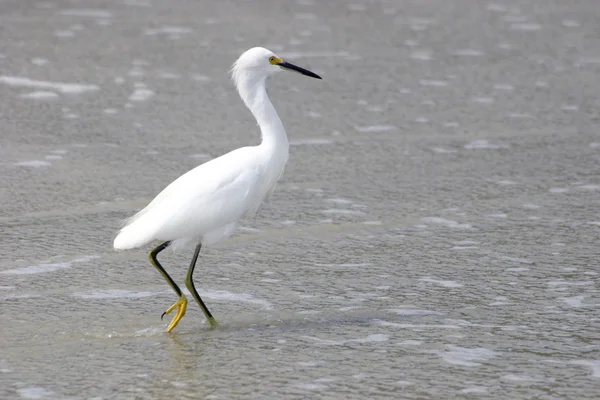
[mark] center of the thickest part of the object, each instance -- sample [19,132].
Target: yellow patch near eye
[275,60]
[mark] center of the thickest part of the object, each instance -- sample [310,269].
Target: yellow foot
[180,305]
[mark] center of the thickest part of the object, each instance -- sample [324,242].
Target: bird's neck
[254,94]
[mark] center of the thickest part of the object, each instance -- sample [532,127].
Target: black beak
[300,70]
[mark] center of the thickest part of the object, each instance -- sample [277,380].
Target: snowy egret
[203,205]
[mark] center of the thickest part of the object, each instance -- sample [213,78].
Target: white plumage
[203,205]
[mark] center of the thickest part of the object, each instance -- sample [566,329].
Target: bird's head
[259,63]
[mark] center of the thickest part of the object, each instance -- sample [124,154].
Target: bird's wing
[209,196]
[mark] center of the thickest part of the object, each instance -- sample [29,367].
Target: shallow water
[434,236]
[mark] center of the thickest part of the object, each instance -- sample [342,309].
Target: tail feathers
[132,236]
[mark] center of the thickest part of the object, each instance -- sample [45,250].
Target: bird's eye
[272,60]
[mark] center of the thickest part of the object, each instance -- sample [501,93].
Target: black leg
[154,261]
[189,283]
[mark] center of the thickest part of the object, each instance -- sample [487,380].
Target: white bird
[203,205]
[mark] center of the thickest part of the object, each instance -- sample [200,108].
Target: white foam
[526,27]
[466,242]
[376,338]
[201,78]
[339,201]
[569,23]
[309,386]
[67,88]
[141,94]
[416,326]
[461,248]
[499,8]
[503,86]
[519,260]
[87,12]
[410,342]
[64,33]
[483,100]
[112,294]
[356,7]
[136,71]
[587,61]
[427,82]
[483,144]
[447,284]
[338,211]
[422,55]
[499,215]
[314,141]
[40,95]
[305,16]
[35,392]
[594,365]
[53,157]
[506,182]
[441,150]
[569,283]
[138,3]
[168,30]
[594,145]
[569,107]
[110,111]
[589,187]
[447,222]
[466,357]
[519,378]
[39,61]
[474,390]
[33,164]
[315,363]
[519,115]
[270,280]
[375,128]
[468,52]
[407,312]
[575,301]
[597,223]
[200,156]
[451,124]
[43,268]
[422,120]
[345,265]
[168,75]
[558,190]
[237,297]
